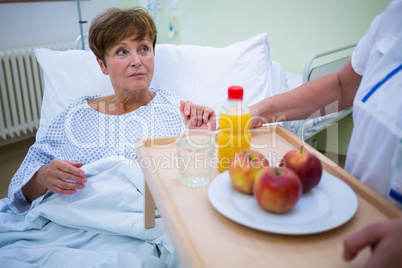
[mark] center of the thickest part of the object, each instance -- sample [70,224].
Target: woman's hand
[59,176]
[197,116]
[385,240]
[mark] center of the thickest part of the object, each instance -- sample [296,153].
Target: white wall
[295,28]
[39,23]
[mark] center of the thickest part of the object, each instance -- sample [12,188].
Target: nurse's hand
[59,176]
[198,116]
[385,240]
[257,119]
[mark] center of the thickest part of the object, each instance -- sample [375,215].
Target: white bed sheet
[99,226]
[305,129]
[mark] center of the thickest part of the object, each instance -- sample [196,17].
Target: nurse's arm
[324,95]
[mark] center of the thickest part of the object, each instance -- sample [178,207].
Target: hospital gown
[84,135]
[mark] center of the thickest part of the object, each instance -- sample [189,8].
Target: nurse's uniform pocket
[384,45]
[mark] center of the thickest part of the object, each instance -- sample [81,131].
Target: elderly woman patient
[99,126]
[74,201]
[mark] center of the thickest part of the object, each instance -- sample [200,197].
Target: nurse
[372,83]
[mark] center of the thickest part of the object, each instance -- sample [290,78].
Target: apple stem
[247,155]
[277,172]
[301,148]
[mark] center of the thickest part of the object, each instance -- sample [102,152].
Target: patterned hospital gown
[84,135]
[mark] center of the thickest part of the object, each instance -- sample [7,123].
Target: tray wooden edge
[186,256]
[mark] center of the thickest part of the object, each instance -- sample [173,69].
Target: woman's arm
[324,95]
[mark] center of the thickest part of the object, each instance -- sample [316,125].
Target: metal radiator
[21,92]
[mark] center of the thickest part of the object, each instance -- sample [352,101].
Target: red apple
[277,189]
[306,165]
[243,169]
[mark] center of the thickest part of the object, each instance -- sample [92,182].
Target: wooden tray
[203,237]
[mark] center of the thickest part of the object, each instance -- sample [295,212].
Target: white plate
[327,206]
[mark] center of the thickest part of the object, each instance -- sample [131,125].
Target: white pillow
[201,74]
[68,75]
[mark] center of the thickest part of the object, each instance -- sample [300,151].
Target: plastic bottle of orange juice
[234,122]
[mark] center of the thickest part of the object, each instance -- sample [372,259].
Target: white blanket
[99,226]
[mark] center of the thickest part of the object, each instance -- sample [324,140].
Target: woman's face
[129,64]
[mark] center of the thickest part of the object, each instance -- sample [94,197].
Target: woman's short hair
[114,24]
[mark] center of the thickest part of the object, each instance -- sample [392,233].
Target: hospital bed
[200,74]
[104,221]
[318,65]
[331,133]
[197,73]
